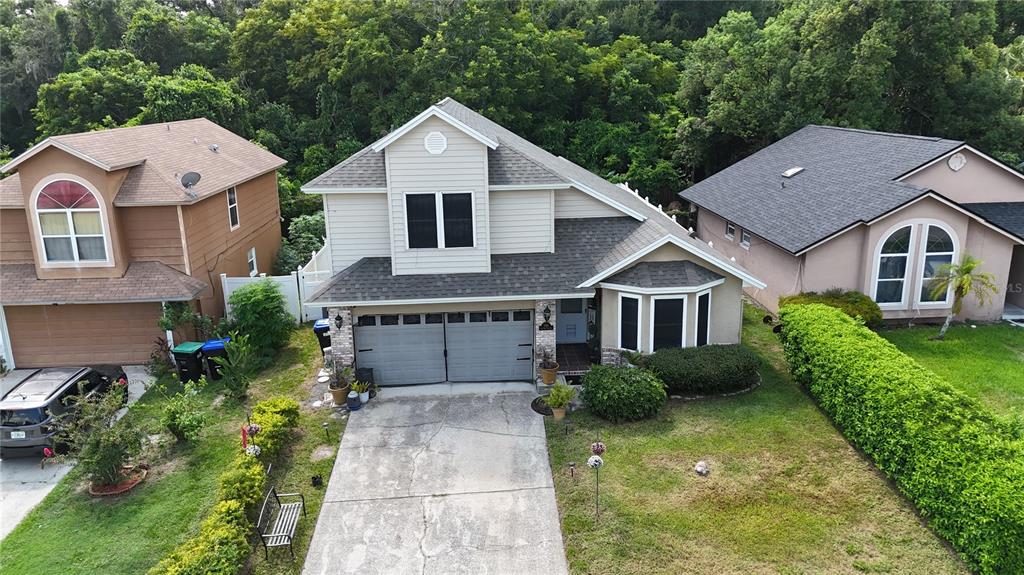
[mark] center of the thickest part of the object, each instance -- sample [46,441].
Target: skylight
[792,172]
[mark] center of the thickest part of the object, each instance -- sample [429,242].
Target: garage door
[456,346]
[60,335]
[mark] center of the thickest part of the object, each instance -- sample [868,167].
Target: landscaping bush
[274,432]
[622,393]
[961,465]
[240,365]
[243,481]
[101,446]
[283,406]
[853,303]
[705,369]
[221,548]
[183,415]
[258,310]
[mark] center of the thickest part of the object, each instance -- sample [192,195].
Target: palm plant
[964,279]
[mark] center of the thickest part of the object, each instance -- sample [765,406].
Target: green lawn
[986,362]
[73,533]
[786,493]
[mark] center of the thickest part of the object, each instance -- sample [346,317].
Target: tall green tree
[193,92]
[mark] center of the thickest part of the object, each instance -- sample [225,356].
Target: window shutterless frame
[619,316]
[745,238]
[440,221]
[696,320]
[251,261]
[682,322]
[233,220]
[730,230]
[923,281]
[905,255]
[72,236]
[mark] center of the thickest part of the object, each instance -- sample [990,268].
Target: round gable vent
[435,142]
[956,162]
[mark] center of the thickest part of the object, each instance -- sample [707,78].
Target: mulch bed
[137,475]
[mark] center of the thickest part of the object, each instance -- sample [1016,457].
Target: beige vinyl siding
[521,222]
[357,228]
[461,168]
[573,203]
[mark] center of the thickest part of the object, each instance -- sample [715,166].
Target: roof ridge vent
[792,172]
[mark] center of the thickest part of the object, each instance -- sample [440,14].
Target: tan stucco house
[99,229]
[870,211]
[462,252]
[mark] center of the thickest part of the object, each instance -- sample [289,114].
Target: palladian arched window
[939,250]
[892,266]
[70,223]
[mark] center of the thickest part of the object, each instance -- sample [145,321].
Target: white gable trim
[433,112]
[336,190]
[685,246]
[661,291]
[953,205]
[529,187]
[606,200]
[983,155]
[65,148]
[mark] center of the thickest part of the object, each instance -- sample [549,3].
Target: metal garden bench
[277,521]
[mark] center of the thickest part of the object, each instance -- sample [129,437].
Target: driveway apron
[441,484]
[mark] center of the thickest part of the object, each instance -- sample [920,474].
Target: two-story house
[869,211]
[99,229]
[462,252]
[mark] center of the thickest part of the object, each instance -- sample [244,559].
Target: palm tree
[965,279]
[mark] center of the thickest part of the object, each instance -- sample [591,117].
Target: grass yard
[786,493]
[73,533]
[986,362]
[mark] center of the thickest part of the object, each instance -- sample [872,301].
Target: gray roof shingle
[681,273]
[142,281]
[362,170]
[848,177]
[1006,215]
[583,247]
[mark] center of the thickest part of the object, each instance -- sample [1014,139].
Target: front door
[571,321]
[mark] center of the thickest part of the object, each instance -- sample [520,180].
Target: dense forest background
[659,94]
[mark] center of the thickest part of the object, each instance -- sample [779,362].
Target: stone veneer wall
[342,343]
[543,340]
[611,356]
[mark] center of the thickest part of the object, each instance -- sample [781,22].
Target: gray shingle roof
[848,177]
[363,169]
[1006,215]
[583,247]
[682,273]
[142,281]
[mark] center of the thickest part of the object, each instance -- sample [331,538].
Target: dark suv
[29,402]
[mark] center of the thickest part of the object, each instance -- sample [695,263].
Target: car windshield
[21,417]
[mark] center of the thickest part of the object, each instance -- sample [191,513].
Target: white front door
[571,321]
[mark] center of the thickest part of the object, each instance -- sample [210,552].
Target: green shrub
[220,548]
[283,406]
[183,415]
[623,393]
[258,310]
[705,369]
[560,395]
[961,465]
[853,303]
[240,365]
[102,449]
[243,481]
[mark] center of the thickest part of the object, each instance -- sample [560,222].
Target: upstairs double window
[439,219]
[70,224]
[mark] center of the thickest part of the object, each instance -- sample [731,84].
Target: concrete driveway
[441,479]
[23,483]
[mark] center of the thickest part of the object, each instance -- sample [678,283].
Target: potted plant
[363,389]
[548,369]
[340,386]
[558,399]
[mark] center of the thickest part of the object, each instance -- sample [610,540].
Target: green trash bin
[188,358]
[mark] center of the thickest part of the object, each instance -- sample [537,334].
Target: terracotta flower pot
[549,374]
[558,413]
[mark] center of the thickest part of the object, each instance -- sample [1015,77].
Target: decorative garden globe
[595,462]
[597,448]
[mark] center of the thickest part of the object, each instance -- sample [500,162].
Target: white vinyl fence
[296,286]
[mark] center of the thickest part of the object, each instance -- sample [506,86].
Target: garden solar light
[327,434]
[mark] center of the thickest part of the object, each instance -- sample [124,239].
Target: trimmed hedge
[623,393]
[705,369]
[853,303]
[961,465]
[222,547]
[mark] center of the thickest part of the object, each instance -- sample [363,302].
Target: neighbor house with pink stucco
[870,211]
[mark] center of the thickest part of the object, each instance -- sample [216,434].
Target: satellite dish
[190,179]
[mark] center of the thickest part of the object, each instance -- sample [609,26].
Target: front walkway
[441,479]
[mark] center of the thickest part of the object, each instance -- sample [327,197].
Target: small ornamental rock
[702,468]
[595,462]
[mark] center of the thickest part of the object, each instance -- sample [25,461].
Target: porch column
[543,333]
[342,343]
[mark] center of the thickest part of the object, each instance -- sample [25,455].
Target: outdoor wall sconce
[338,321]
[546,314]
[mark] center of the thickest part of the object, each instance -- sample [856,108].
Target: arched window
[892,266]
[70,223]
[939,249]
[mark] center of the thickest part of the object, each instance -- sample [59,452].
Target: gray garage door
[435,347]
[401,349]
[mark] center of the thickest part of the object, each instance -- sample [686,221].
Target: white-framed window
[70,224]
[745,238]
[629,322]
[233,220]
[939,249]
[892,262]
[251,259]
[439,220]
[730,230]
[668,321]
[702,319]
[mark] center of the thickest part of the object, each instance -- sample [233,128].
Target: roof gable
[433,112]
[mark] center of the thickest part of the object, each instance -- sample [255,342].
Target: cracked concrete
[441,482]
